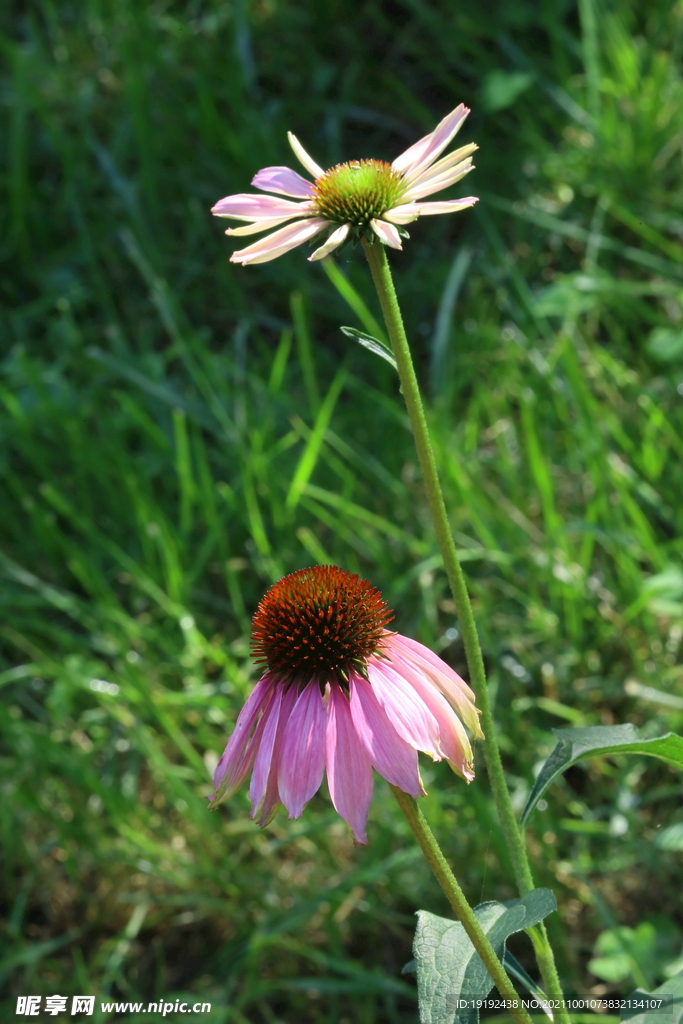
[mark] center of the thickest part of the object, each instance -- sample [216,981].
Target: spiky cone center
[357,192]
[319,623]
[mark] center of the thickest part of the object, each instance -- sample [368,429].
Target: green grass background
[178,432]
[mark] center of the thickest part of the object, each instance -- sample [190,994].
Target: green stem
[458,901]
[381,276]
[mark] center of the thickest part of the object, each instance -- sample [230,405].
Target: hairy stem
[384,285]
[458,901]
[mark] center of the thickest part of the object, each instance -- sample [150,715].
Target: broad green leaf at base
[673,987]
[448,966]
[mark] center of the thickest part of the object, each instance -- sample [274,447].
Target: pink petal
[271,800]
[349,775]
[251,207]
[304,159]
[423,153]
[237,758]
[452,736]
[386,233]
[262,761]
[456,691]
[281,241]
[397,647]
[335,239]
[428,184]
[284,180]
[394,759]
[302,758]
[405,709]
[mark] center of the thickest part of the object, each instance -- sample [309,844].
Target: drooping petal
[428,185]
[423,153]
[336,238]
[238,757]
[264,754]
[252,207]
[302,758]
[349,774]
[405,709]
[398,646]
[452,736]
[304,159]
[456,691]
[389,753]
[271,800]
[281,241]
[386,233]
[283,180]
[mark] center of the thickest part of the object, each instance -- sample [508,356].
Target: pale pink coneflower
[362,198]
[343,693]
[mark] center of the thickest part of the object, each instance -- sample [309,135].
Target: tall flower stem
[384,285]
[457,900]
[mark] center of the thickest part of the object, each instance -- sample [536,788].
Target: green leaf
[448,966]
[501,88]
[671,837]
[595,740]
[664,592]
[642,954]
[674,1015]
[514,969]
[665,344]
[374,344]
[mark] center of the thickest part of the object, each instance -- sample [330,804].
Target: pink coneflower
[341,692]
[362,198]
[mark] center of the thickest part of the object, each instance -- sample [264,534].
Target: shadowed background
[179,432]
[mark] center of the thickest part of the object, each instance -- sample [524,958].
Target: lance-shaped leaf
[374,344]
[450,972]
[575,744]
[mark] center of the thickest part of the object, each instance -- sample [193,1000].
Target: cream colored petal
[304,159]
[423,153]
[403,214]
[436,183]
[450,206]
[444,164]
[386,233]
[335,239]
[264,225]
[279,242]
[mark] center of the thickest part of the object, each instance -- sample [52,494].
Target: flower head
[361,198]
[340,692]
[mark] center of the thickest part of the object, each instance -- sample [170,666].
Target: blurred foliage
[642,956]
[178,432]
